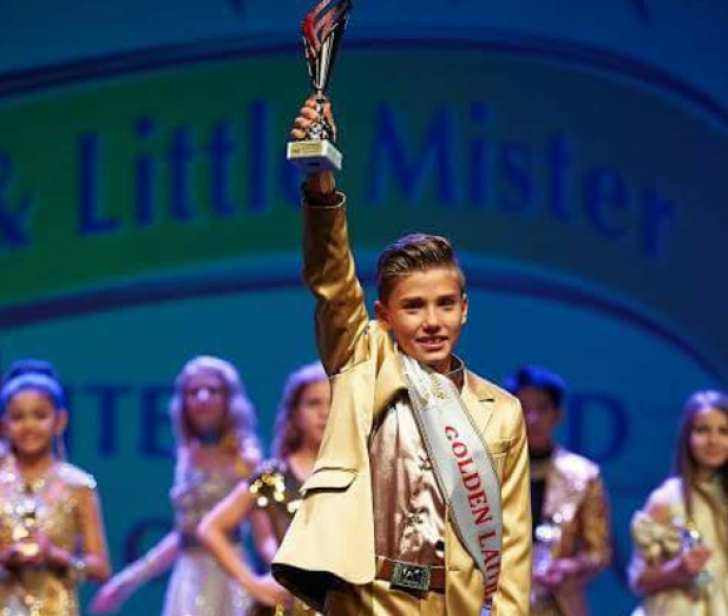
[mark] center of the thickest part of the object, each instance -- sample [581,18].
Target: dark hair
[686,466]
[417,252]
[540,378]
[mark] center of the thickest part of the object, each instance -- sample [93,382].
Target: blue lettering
[516,162]
[91,220]
[480,157]
[558,161]
[108,397]
[658,213]
[590,414]
[182,155]
[155,434]
[259,149]
[13,231]
[145,167]
[606,197]
[435,159]
[222,150]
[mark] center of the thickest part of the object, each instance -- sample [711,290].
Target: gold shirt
[409,511]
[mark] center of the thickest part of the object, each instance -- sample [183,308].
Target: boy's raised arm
[329,272]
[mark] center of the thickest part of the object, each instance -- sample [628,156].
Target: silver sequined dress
[198,585]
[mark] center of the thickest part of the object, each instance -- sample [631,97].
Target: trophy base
[314,156]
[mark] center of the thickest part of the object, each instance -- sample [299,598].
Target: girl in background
[51,531]
[680,560]
[270,497]
[214,424]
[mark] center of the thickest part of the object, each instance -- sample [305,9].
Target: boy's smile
[426,311]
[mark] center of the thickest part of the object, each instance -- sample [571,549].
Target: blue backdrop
[575,152]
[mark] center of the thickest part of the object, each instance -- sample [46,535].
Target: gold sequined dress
[276,490]
[51,504]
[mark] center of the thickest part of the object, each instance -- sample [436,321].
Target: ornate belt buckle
[411,577]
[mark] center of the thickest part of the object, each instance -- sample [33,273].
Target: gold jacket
[332,536]
[575,499]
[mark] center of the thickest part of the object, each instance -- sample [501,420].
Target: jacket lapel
[390,384]
[478,401]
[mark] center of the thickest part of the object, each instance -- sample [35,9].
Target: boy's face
[541,416]
[426,311]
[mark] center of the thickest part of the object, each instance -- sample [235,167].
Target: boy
[406,512]
[569,501]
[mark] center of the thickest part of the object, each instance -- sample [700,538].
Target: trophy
[692,538]
[547,536]
[322,30]
[24,533]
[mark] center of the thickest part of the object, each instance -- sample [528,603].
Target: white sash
[463,467]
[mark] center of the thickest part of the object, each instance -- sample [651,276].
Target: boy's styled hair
[417,252]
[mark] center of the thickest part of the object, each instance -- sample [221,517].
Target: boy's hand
[322,183]
[308,115]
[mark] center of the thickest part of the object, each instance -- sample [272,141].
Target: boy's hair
[417,252]
[540,378]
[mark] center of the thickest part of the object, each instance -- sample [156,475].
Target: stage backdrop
[577,154]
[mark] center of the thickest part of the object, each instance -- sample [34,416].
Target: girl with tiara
[680,559]
[270,496]
[214,424]
[51,533]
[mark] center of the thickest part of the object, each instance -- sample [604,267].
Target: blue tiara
[36,382]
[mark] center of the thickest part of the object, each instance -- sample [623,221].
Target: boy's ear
[380,310]
[61,422]
[465,309]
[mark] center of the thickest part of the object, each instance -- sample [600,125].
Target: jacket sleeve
[329,272]
[514,585]
[596,549]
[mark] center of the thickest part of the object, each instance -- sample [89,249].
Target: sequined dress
[657,542]
[277,493]
[52,505]
[198,585]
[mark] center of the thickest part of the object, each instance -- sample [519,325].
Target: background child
[680,560]
[51,529]
[271,495]
[214,423]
